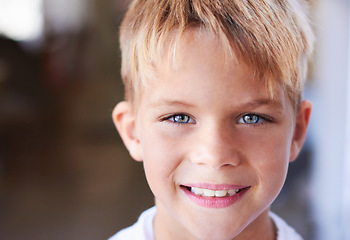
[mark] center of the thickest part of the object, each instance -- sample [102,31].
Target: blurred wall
[331,121]
[64,173]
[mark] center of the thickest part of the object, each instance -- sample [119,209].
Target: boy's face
[207,127]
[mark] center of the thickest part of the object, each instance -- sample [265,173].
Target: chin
[219,236]
[217,233]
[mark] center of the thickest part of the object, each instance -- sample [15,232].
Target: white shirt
[143,228]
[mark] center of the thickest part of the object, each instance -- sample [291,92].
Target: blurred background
[64,173]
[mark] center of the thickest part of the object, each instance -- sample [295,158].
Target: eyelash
[172,118]
[260,119]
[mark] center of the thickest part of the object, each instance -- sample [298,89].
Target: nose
[216,146]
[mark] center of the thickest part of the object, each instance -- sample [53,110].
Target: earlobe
[124,120]
[302,121]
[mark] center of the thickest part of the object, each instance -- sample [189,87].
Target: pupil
[251,119]
[181,118]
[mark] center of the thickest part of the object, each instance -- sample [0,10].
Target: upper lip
[215,187]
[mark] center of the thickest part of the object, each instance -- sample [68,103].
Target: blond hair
[273,37]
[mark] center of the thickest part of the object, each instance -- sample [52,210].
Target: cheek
[161,156]
[163,148]
[271,163]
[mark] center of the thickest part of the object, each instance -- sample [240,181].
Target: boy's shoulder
[143,228]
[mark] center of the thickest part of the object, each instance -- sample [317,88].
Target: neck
[262,228]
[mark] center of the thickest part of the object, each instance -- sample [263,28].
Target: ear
[124,120]
[302,121]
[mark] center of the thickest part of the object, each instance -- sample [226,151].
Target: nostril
[215,154]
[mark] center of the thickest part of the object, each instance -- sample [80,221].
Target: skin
[214,144]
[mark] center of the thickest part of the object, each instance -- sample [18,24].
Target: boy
[213,109]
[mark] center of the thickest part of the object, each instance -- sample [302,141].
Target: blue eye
[250,119]
[180,118]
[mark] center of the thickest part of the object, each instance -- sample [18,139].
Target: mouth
[215,196]
[219,193]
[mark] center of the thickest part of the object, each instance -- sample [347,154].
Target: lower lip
[214,202]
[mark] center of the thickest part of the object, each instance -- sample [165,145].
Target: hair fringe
[273,37]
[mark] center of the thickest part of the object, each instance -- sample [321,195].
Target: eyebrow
[169,102]
[262,102]
[255,103]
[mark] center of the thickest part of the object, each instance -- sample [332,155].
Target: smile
[215,196]
[214,193]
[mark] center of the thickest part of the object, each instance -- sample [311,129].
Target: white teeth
[233,191]
[220,193]
[197,191]
[208,193]
[212,193]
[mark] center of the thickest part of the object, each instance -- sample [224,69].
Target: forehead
[196,48]
[170,53]
[200,71]
[177,46]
